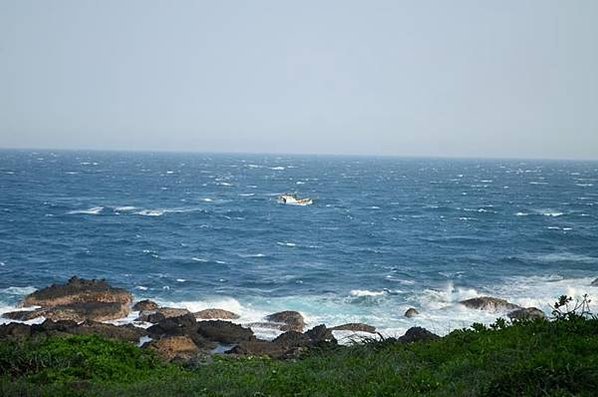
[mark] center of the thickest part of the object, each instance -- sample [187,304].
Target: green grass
[540,358]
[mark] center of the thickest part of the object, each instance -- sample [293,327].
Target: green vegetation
[556,358]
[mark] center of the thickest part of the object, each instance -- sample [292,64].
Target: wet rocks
[224,331]
[127,332]
[291,320]
[97,311]
[411,312]
[79,300]
[174,347]
[292,339]
[528,313]
[418,334]
[209,314]
[356,327]
[145,306]
[78,290]
[23,315]
[489,303]
[14,331]
[155,316]
[320,335]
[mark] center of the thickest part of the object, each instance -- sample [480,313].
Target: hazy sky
[510,78]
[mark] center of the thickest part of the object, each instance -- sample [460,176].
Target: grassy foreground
[540,358]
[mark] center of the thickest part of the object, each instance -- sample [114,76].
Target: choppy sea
[383,234]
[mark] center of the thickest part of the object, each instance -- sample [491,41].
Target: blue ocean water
[384,234]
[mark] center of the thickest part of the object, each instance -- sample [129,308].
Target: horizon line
[371,155]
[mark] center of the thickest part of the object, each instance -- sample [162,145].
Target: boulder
[594,283]
[489,303]
[417,334]
[209,314]
[320,335]
[181,326]
[224,331]
[145,306]
[97,311]
[291,339]
[292,320]
[355,327]
[155,316]
[77,290]
[411,312]
[174,347]
[258,348]
[528,313]
[14,331]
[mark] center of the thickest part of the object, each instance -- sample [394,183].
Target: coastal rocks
[224,331]
[78,300]
[23,315]
[411,312]
[528,313]
[417,334]
[320,335]
[14,331]
[97,311]
[292,339]
[355,327]
[174,347]
[292,320]
[159,314]
[145,306]
[127,332]
[78,290]
[209,314]
[489,303]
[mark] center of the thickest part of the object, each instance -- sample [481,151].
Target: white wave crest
[89,211]
[364,292]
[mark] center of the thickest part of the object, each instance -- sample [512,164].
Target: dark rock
[224,331]
[320,335]
[161,313]
[97,311]
[411,312]
[258,348]
[54,328]
[417,334]
[180,326]
[174,347]
[489,303]
[209,314]
[145,305]
[24,315]
[125,333]
[356,327]
[594,283]
[14,331]
[292,320]
[528,313]
[77,290]
[292,339]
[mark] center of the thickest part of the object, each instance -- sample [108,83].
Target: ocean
[383,234]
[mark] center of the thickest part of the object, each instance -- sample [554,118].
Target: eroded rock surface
[489,303]
[209,314]
[291,320]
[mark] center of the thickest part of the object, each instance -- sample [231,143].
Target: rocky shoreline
[81,307]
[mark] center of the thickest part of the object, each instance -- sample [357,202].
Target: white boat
[292,199]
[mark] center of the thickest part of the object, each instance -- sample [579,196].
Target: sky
[461,78]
